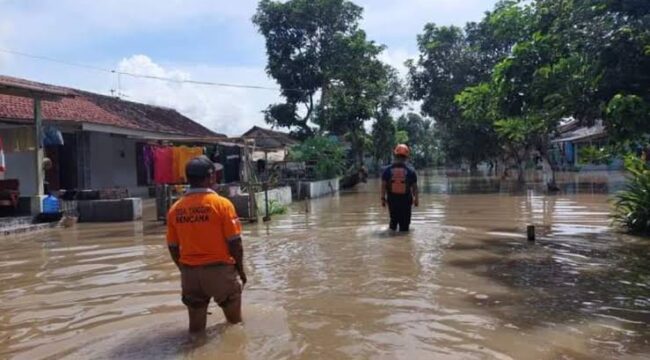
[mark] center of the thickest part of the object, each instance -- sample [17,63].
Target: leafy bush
[325,154]
[276,208]
[595,155]
[632,205]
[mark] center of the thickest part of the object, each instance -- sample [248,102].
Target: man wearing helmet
[399,189]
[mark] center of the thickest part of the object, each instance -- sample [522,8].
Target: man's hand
[242,276]
[383,202]
[237,252]
[416,202]
[175,253]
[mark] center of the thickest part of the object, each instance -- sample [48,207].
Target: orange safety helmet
[402,150]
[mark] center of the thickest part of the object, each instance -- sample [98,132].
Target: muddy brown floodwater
[334,284]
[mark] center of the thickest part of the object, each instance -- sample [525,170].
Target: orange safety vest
[397,184]
[201,223]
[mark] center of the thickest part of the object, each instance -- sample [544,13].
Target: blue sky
[210,40]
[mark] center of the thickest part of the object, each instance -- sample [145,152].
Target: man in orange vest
[204,240]
[399,188]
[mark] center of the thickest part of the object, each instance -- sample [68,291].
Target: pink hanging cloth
[163,160]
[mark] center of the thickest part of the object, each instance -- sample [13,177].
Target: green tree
[384,132]
[422,137]
[304,43]
[401,137]
[384,138]
[452,59]
[324,153]
[317,47]
[367,89]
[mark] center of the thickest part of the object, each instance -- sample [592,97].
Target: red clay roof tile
[86,107]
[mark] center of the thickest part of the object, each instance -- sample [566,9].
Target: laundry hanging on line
[168,163]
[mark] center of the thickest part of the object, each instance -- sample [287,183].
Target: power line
[144,76]
[45,58]
[196,82]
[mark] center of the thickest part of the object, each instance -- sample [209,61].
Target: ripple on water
[334,283]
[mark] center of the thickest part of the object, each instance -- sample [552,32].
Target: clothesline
[166,164]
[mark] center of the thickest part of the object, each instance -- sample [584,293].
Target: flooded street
[333,283]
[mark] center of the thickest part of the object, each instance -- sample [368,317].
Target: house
[91,139]
[573,137]
[270,145]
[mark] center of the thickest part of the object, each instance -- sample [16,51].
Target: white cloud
[396,57]
[227,110]
[105,30]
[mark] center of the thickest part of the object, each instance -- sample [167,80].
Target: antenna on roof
[119,85]
[117,92]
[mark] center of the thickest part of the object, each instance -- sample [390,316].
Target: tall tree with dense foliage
[367,89]
[452,59]
[304,42]
[384,137]
[582,59]
[326,154]
[315,47]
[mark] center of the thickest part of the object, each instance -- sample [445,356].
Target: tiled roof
[583,133]
[86,107]
[20,87]
[267,138]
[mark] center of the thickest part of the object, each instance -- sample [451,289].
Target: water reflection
[333,283]
[455,182]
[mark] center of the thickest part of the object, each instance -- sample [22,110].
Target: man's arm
[416,195]
[385,177]
[232,232]
[414,188]
[173,241]
[237,252]
[175,253]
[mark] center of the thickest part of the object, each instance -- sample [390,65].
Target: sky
[203,40]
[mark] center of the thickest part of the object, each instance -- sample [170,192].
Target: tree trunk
[520,171]
[521,168]
[548,171]
[357,147]
[473,166]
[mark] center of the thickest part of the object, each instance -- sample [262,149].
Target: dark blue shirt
[399,179]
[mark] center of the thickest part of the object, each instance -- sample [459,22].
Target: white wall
[316,189]
[273,156]
[281,195]
[20,165]
[107,167]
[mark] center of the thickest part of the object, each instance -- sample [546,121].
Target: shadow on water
[169,344]
[556,282]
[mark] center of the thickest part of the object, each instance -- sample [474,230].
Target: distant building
[270,145]
[572,138]
[91,139]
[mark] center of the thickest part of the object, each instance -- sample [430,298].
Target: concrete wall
[107,167]
[112,162]
[20,165]
[110,210]
[316,189]
[281,195]
[273,156]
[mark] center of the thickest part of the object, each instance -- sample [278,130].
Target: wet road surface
[333,283]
